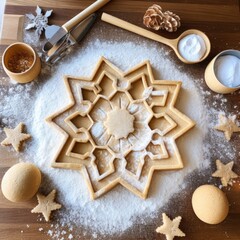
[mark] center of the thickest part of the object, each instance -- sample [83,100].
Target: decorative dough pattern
[119,128]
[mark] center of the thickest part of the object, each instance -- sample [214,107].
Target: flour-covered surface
[118,213]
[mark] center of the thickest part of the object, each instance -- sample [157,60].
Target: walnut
[156,19]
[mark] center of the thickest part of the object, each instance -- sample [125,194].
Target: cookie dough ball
[21,182]
[210,204]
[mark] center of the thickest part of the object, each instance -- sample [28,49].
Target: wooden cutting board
[220,19]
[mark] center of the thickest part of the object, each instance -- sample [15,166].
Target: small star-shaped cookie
[225,172]
[227,125]
[46,205]
[170,227]
[15,136]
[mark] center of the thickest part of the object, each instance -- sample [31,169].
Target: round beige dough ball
[210,204]
[21,182]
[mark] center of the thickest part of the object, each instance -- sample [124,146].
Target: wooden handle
[135,29]
[85,13]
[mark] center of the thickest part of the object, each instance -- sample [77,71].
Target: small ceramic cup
[210,77]
[21,63]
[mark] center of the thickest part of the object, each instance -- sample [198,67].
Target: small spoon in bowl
[173,43]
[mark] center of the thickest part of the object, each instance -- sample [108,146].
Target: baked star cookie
[227,125]
[170,228]
[225,172]
[15,136]
[46,205]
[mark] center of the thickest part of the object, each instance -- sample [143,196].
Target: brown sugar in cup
[21,63]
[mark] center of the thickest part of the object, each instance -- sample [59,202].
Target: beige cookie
[46,205]
[225,172]
[15,136]
[170,228]
[119,123]
[227,125]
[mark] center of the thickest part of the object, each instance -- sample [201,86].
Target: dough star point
[15,136]
[170,228]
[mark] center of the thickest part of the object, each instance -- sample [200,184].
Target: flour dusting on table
[119,209]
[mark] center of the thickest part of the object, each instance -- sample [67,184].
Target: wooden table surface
[220,20]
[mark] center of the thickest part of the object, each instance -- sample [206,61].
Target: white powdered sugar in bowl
[227,70]
[192,47]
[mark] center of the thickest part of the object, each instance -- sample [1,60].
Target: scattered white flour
[119,209]
[227,70]
[192,47]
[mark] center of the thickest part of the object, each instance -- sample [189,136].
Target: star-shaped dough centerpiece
[119,128]
[170,228]
[15,136]
[225,172]
[46,205]
[227,125]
